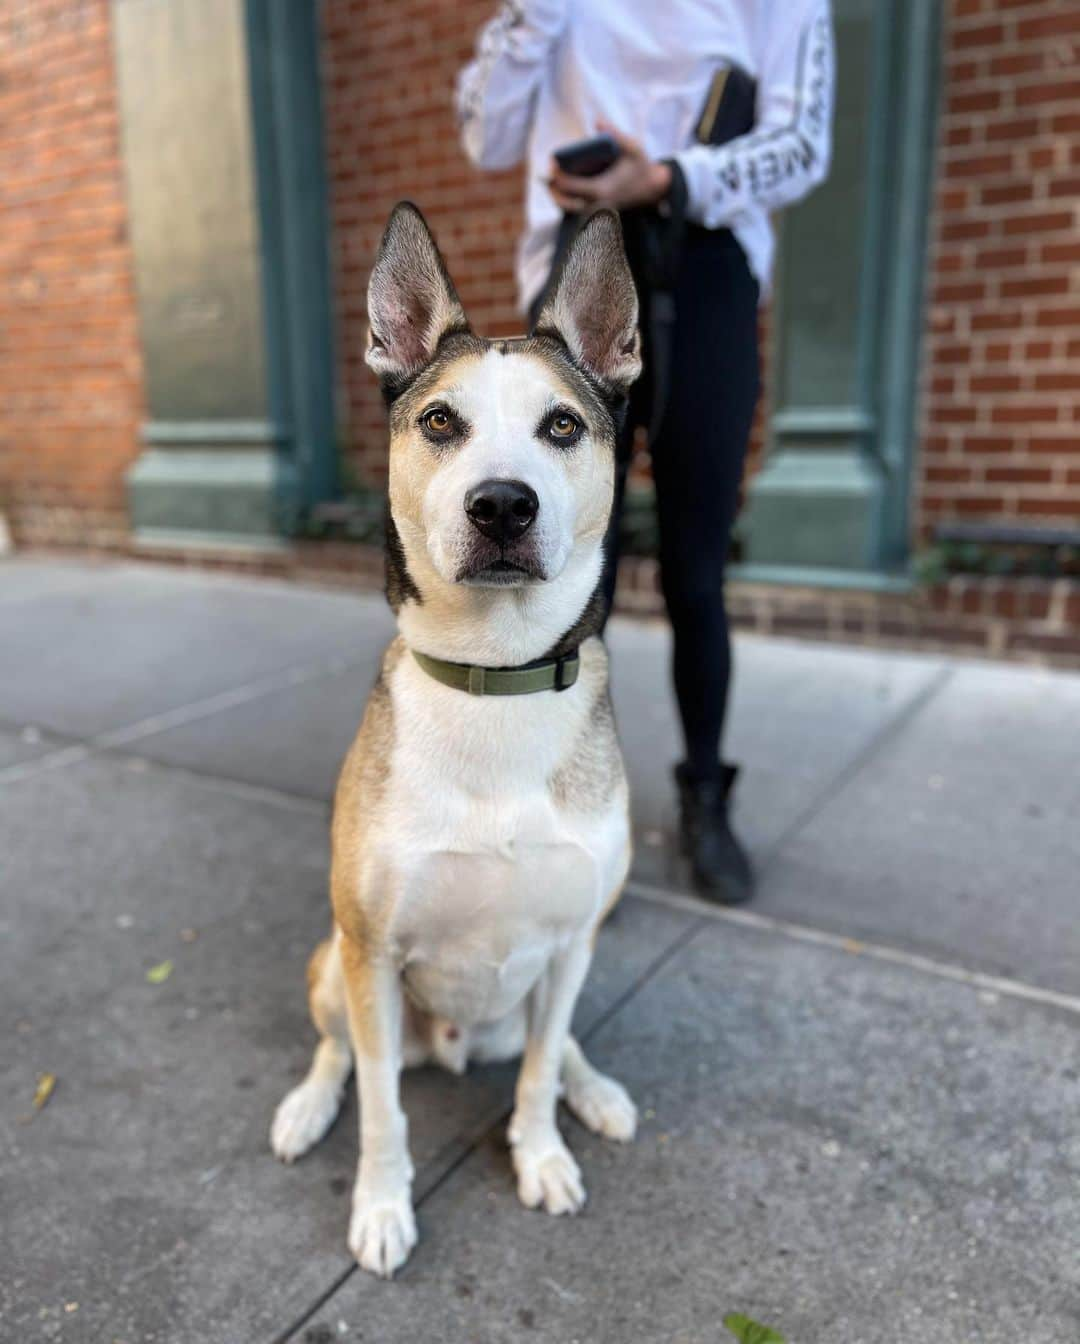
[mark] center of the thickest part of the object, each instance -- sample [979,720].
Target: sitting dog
[480,829]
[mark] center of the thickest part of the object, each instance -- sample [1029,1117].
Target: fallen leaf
[44,1090]
[158,974]
[188,935]
[747,1331]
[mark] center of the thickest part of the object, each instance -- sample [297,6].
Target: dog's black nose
[502,510]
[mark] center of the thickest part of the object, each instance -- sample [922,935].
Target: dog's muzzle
[501,513]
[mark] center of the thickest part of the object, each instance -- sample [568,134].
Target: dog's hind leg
[599,1102]
[307,1112]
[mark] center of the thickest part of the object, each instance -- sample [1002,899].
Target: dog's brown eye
[564,426]
[439,420]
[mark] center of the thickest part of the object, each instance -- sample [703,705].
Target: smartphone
[587,158]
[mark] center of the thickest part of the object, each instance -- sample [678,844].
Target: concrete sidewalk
[859,1097]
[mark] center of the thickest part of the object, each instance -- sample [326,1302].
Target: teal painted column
[831,498]
[223,158]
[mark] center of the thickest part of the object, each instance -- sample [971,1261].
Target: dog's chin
[500,573]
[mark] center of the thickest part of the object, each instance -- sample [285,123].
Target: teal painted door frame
[286,94]
[222,131]
[831,503]
[915,77]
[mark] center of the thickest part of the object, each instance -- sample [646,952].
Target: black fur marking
[400,585]
[393,386]
[619,407]
[590,622]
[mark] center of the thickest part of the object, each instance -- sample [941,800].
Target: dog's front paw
[604,1106]
[303,1118]
[382,1232]
[547,1175]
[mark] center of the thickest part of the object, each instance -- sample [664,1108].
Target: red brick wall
[1001,410]
[1001,394]
[70,370]
[390,67]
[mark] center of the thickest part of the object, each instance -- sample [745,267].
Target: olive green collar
[544,674]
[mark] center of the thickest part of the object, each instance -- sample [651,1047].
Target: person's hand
[633,179]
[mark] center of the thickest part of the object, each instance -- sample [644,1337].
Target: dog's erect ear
[412,302]
[593,304]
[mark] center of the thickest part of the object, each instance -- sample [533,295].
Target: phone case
[586,158]
[729,107]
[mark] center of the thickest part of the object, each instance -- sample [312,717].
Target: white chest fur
[486,874]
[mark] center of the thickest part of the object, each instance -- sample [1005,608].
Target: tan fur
[358,966]
[324,1013]
[316,967]
[357,802]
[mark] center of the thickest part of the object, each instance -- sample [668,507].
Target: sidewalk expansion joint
[82,749]
[996,985]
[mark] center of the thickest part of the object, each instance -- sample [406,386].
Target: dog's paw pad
[382,1233]
[550,1179]
[604,1106]
[302,1119]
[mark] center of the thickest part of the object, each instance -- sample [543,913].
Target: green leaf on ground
[45,1084]
[160,973]
[747,1331]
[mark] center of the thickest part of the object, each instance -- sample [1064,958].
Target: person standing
[650,76]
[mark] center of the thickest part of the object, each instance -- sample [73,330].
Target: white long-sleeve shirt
[546,70]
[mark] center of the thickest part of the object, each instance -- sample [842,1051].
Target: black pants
[697,465]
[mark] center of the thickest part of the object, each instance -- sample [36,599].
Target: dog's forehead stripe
[522,379]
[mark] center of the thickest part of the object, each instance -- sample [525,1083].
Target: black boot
[722,871]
